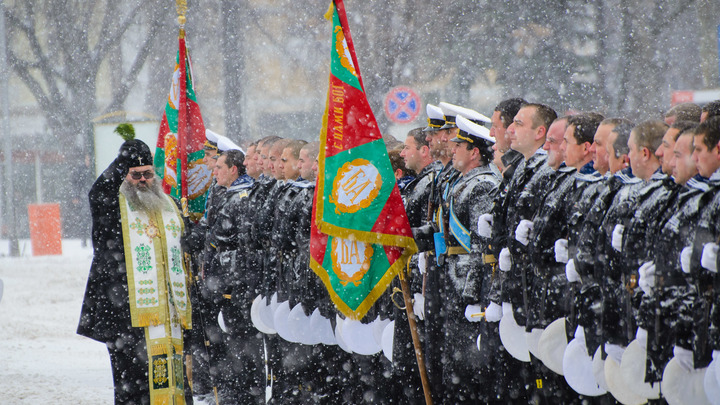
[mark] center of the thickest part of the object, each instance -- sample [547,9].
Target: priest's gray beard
[149,198]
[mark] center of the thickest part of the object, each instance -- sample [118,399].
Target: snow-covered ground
[42,360]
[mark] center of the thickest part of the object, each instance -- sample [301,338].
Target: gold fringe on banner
[158,349]
[148,319]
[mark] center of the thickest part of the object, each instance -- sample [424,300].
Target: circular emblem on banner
[402,105]
[356,185]
[350,260]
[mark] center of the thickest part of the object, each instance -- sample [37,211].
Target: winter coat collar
[241,182]
[715,177]
[303,183]
[698,182]
[626,176]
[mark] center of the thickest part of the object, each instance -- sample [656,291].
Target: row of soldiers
[598,233]
[580,219]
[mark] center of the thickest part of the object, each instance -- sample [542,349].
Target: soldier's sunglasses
[138,175]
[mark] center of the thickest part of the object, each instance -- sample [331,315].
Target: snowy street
[42,360]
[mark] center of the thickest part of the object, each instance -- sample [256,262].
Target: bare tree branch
[33,85]
[109,39]
[42,63]
[129,79]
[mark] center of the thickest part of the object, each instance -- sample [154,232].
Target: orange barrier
[45,231]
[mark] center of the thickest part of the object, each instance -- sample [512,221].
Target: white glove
[580,333]
[615,352]
[221,322]
[709,257]
[493,313]
[422,263]
[473,313]
[561,250]
[485,223]
[647,277]
[685,256]
[684,357]
[419,306]
[641,337]
[617,237]
[580,336]
[570,272]
[507,309]
[505,260]
[522,232]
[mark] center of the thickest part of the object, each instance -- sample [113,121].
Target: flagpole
[181,6]
[416,339]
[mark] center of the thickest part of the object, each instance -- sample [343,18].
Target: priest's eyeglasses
[149,174]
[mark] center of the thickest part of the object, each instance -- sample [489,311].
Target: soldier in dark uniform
[668,284]
[208,305]
[250,240]
[199,372]
[595,257]
[407,387]
[548,298]
[437,138]
[585,228]
[618,287]
[525,192]
[262,233]
[467,277]
[235,358]
[707,234]
[505,159]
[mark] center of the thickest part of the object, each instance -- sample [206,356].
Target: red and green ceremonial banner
[361,237]
[179,152]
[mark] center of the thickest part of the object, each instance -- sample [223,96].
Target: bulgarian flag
[361,237]
[179,152]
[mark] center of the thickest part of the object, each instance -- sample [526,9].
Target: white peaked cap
[456,110]
[212,136]
[225,144]
[434,112]
[474,129]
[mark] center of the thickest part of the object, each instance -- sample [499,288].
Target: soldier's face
[683,166]
[615,164]
[636,156]
[599,148]
[575,153]
[410,153]
[264,161]
[461,156]
[438,141]
[143,183]
[209,158]
[274,158]
[223,173]
[521,132]
[706,159]
[289,164]
[499,131]
[249,163]
[305,165]
[554,144]
[665,150]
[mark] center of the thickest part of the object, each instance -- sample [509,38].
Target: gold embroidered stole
[159,301]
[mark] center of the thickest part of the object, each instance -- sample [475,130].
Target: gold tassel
[329,13]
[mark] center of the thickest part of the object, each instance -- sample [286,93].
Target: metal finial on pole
[181,7]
